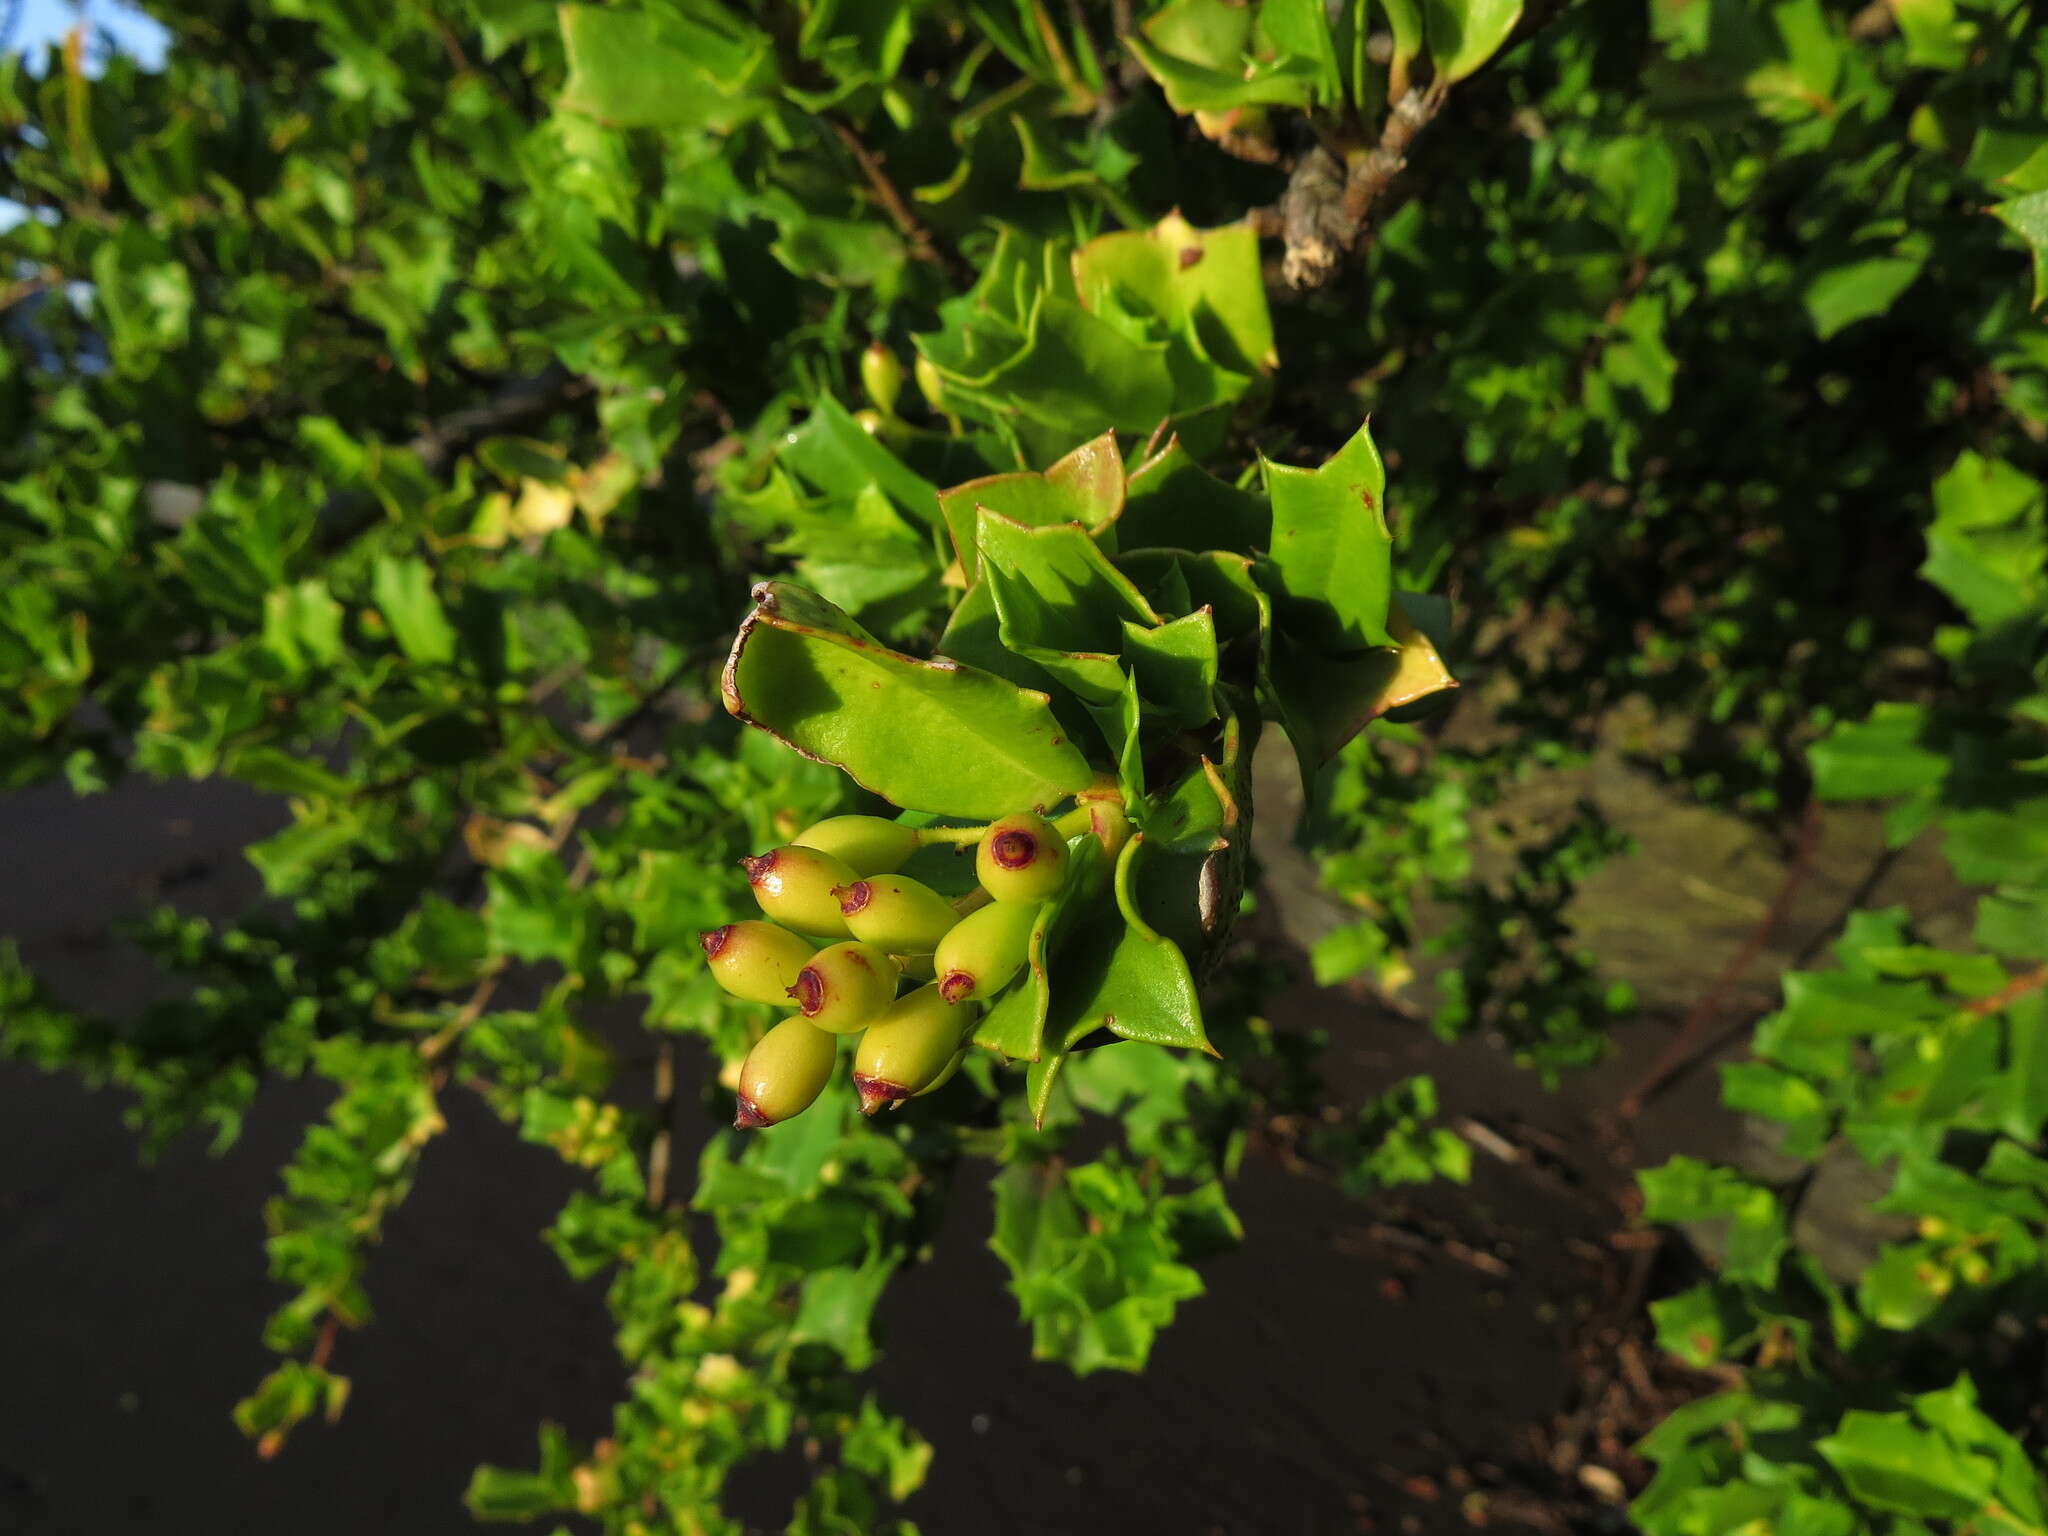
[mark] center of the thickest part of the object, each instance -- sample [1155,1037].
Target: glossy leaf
[930,736]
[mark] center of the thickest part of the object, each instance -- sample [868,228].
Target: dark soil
[1432,1361]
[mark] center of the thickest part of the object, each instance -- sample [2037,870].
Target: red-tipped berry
[844,986]
[867,845]
[756,961]
[794,887]
[897,914]
[1021,858]
[905,1050]
[984,951]
[784,1072]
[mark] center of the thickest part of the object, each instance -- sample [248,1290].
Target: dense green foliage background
[398,401]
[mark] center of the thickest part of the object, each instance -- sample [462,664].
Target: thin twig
[2020,986]
[1676,1056]
[906,222]
[664,1125]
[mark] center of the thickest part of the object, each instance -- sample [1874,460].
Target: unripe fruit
[985,950]
[844,986]
[929,384]
[787,1069]
[756,961]
[1021,858]
[881,375]
[794,887]
[896,914]
[868,845]
[905,1050]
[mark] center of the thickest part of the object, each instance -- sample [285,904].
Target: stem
[973,901]
[664,1117]
[951,837]
[1073,823]
[1676,1056]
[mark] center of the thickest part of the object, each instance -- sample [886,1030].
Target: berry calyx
[1021,858]
[906,1049]
[867,845]
[900,915]
[984,951]
[794,887]
[784,1073]
[756,961]
[844,986]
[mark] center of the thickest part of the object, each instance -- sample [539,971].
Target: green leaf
[1112,976]
[1464,34]
[1175,665]
[1085,487]
[933,736]
[1204,285]
[2027,217]
[1890,1463]
[677,68]
[1879,757]
[1060,602]
[1330,561]
[404,589]
[1685,1189]
[1841,296]
[1174,503]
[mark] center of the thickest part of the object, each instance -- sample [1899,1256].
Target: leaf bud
[794,887]
[897,914]
[1021,858]
[844,986]
[755,961]
[881,375]
[905,1050]
[784,1073]
[868,845]
[985,950]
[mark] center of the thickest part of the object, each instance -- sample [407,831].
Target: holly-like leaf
[933,736]
[1085,487]
[1330,564]
[1060,602]
[1173,503]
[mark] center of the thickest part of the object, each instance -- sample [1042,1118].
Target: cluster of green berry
[881,931]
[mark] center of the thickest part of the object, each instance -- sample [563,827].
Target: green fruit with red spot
[756,961]
[897,914]
[844,986]
[1021,858]
[985,950]
[908,1047]
[784,1073]
[794,888]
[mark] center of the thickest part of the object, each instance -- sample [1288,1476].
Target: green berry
[929,384]
[787,1069]
[905,1050]
[1021,858]
[868,845]
[756,961]
[881,375]
[844,986]
[794,887]
[896,914]
[985,950]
